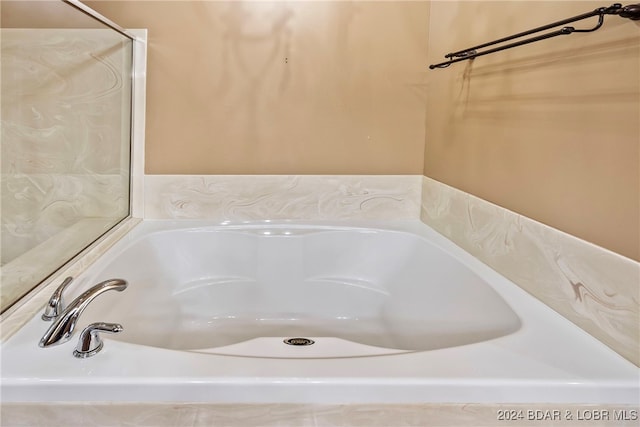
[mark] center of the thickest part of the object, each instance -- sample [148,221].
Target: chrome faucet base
[84,354]
[90,342]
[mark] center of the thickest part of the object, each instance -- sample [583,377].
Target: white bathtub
[396,314]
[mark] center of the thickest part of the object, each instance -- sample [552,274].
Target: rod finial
[631,11]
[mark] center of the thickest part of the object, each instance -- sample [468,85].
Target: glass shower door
[66,87]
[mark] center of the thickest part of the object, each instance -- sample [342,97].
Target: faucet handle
[90,342]
[56,303]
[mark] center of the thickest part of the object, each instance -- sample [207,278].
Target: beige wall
[43,14]
[550,130]
[297,87]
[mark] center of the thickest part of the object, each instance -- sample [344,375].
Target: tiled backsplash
[594,288]
[258,197]
[37,207]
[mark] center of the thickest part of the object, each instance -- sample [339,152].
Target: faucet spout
[64,325]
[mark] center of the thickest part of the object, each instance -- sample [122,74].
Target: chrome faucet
[64,325]
[90,342]
[56,303]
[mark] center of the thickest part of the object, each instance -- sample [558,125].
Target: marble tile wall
[24,272]
[37,207]
[596,289]
[65,147]
[257,197]
[96,414]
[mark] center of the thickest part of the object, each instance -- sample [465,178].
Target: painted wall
[280,87]
[550,130]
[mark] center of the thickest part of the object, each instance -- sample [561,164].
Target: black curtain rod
[631,11]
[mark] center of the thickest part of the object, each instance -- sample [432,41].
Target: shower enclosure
[66,114]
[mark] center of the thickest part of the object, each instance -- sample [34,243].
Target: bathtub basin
[393,312]
[208,288]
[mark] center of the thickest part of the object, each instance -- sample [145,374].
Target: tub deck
[546,359]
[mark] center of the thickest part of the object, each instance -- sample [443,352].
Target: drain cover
[299,341]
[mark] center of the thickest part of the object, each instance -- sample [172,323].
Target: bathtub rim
[318,389]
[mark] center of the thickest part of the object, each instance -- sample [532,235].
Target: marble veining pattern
[96,414]
[36,207]
[63,93]
[65,146]
[596,289]
[259,197]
